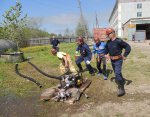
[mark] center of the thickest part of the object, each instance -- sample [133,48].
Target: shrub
[35,49]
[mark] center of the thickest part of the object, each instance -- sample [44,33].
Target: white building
[129,16]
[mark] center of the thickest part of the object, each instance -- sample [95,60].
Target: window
[139,5]
[139,14]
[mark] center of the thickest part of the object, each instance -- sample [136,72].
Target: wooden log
[79,92]
[48,94]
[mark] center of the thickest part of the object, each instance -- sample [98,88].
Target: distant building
[130,16]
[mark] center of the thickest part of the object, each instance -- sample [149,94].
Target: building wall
[129,10]
[114,21]
[126,10]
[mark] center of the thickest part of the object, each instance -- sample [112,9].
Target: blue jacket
[99,48]
[84,50]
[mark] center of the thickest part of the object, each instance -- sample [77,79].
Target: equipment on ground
[66,81]
[62,95]
[71,86]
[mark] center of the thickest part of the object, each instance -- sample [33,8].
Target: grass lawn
[12,83]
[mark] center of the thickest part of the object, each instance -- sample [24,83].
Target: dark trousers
[55,47]
[80,59]
[117,67]
[99,61]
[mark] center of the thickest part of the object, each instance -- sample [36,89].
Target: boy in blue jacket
[99,49]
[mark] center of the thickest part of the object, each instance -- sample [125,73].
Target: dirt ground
[103,101]
[136,102]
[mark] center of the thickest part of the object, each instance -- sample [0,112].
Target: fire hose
[69,80]
[27,77]
[45,74]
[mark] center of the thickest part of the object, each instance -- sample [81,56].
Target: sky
[55,16]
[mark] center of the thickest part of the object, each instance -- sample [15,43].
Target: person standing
[55,43]
[85,55]
[133,37]
[114,47]
[99,49]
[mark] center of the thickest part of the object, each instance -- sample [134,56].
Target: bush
[10,51]
[34,49]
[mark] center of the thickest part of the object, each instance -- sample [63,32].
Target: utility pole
[82,21]
[97,23]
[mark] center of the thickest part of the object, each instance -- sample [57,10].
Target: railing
[45,41]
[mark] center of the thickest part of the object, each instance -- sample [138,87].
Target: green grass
[136,64]
[42,57]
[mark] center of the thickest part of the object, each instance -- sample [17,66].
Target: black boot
[91,71]
[121,90]
[80,67]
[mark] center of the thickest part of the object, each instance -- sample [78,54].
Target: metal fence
[46,40]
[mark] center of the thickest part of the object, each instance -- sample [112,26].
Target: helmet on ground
[53,51]
[109,31]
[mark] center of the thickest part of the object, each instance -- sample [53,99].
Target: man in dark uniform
[55,43]
[85,55]
[114,47]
